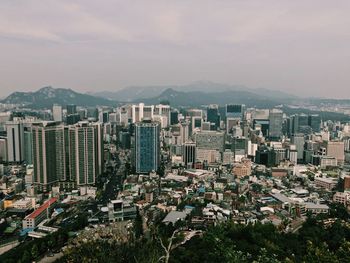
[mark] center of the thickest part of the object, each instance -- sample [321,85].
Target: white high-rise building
[15,141]
[85,152]
[57,112]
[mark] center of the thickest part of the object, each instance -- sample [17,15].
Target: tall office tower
[235,111]
[213,115]
[57,112]
[174,117]
[314,122]
[3,150]
[294,125]
[276,121]
[49,158]
[286,127]
[71,109]
[303,121]
[15,141]
[28,146]
[86,150]
[298,140]
[189,153]
[147,146]
[184,131]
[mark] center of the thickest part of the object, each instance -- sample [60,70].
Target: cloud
[298,45]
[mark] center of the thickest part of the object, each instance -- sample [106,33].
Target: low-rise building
[34,219]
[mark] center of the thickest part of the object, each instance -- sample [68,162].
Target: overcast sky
[300,46]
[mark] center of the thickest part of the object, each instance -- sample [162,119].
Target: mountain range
[133,93]
[47,96]
[192,95]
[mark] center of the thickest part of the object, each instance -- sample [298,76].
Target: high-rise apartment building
[85,152]
[49,159]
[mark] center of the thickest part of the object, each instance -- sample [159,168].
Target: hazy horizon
[297,47]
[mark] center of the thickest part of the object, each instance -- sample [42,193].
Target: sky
[300,46]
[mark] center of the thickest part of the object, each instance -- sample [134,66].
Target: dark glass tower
[147,146]
[213,115]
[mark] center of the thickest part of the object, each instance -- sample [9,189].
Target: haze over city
[300,47]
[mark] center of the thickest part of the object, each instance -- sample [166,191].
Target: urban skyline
[174,131]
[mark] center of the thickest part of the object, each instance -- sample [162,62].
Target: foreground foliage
[230,243]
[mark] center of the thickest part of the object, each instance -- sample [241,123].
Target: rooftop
[42,208]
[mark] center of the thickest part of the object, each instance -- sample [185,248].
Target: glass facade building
[147,146]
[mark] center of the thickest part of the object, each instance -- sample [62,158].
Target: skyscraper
[57,112]
[298,140]
[28,146]
[315,122]
[276,121]
[213,115]
[15,141]
[48,154]
[174,117]
[147,146]
[189,153]
[86,149]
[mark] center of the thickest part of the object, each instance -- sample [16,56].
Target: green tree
[138,225]
[319,254]
[26,257]
[35,251]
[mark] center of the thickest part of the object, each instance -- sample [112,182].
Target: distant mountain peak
[47,96]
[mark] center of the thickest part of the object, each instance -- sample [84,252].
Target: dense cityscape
[163,179]
[162,131]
